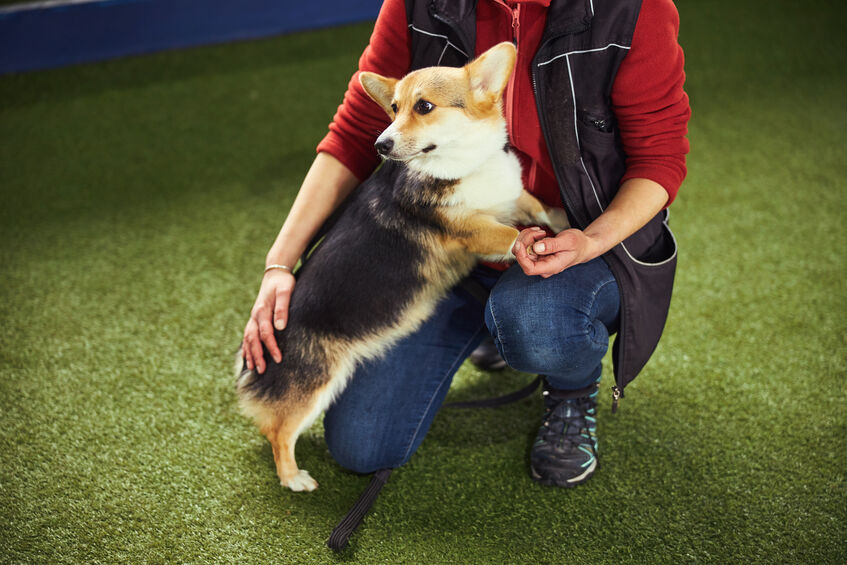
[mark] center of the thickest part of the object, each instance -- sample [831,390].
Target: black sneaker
[487,357]
[565,450]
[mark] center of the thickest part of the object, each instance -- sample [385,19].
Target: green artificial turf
[138,198]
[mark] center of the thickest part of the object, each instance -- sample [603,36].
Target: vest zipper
[539,104]
[510,90]
[616,396]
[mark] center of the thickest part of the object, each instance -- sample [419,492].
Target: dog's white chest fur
[491,187]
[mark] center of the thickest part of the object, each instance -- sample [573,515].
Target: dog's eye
[423,107]
[394,108]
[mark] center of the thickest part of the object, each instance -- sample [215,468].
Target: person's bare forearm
[635,204]
[637,201]
[326,185]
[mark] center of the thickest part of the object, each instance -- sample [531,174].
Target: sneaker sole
[572,482]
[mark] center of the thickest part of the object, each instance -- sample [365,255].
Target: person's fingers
[254,343]
[521,247]
[281,308]
[537,234]
[548,246]
[266,334]
[271,309]
[569,240]
[245,353]
[524,241]
[540,269]
[549,265]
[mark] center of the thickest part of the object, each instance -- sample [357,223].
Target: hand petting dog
[274,296]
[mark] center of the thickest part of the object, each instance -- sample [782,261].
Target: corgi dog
[447,194]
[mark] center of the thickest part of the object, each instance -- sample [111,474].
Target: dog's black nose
[384,147]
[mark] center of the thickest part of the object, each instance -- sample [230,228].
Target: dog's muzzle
[384,146]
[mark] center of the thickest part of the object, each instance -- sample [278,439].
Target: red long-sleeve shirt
[648,99]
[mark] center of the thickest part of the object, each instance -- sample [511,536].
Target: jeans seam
[592,316]
[490,306]
[450,371]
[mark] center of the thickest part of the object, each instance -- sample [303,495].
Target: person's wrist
[278,267]
[281,261]
[593,248]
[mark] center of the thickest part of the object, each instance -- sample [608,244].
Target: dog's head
[445,120]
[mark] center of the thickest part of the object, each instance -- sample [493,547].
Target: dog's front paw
[557,219]
[301,481]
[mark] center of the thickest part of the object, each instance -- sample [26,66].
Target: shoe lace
[570,419]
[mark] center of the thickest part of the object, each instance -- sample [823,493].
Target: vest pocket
[601,155]
[646,283]
[653,245]
[596,122]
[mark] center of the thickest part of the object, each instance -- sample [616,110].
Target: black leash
[500,400]
[341,534]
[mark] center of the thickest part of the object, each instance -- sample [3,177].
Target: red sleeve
[359,120]
[649,102]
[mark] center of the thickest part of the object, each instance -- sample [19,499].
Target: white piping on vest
[576,133]
[583,51]
[584,168]
[443,51]
[22,7]
[444,37]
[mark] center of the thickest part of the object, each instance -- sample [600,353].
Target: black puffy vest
[573,71]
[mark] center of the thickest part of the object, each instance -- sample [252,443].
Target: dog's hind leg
[282,432]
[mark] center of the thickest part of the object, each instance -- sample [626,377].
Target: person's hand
[270,311]
[538,254]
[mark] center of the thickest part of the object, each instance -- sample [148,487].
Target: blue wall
[51,34]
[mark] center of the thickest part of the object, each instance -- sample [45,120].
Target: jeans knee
[356,460]
[572,343]
[359,451]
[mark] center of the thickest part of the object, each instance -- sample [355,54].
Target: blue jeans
[558,327]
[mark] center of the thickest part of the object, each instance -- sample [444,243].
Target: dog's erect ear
[380,88]
[490,71]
